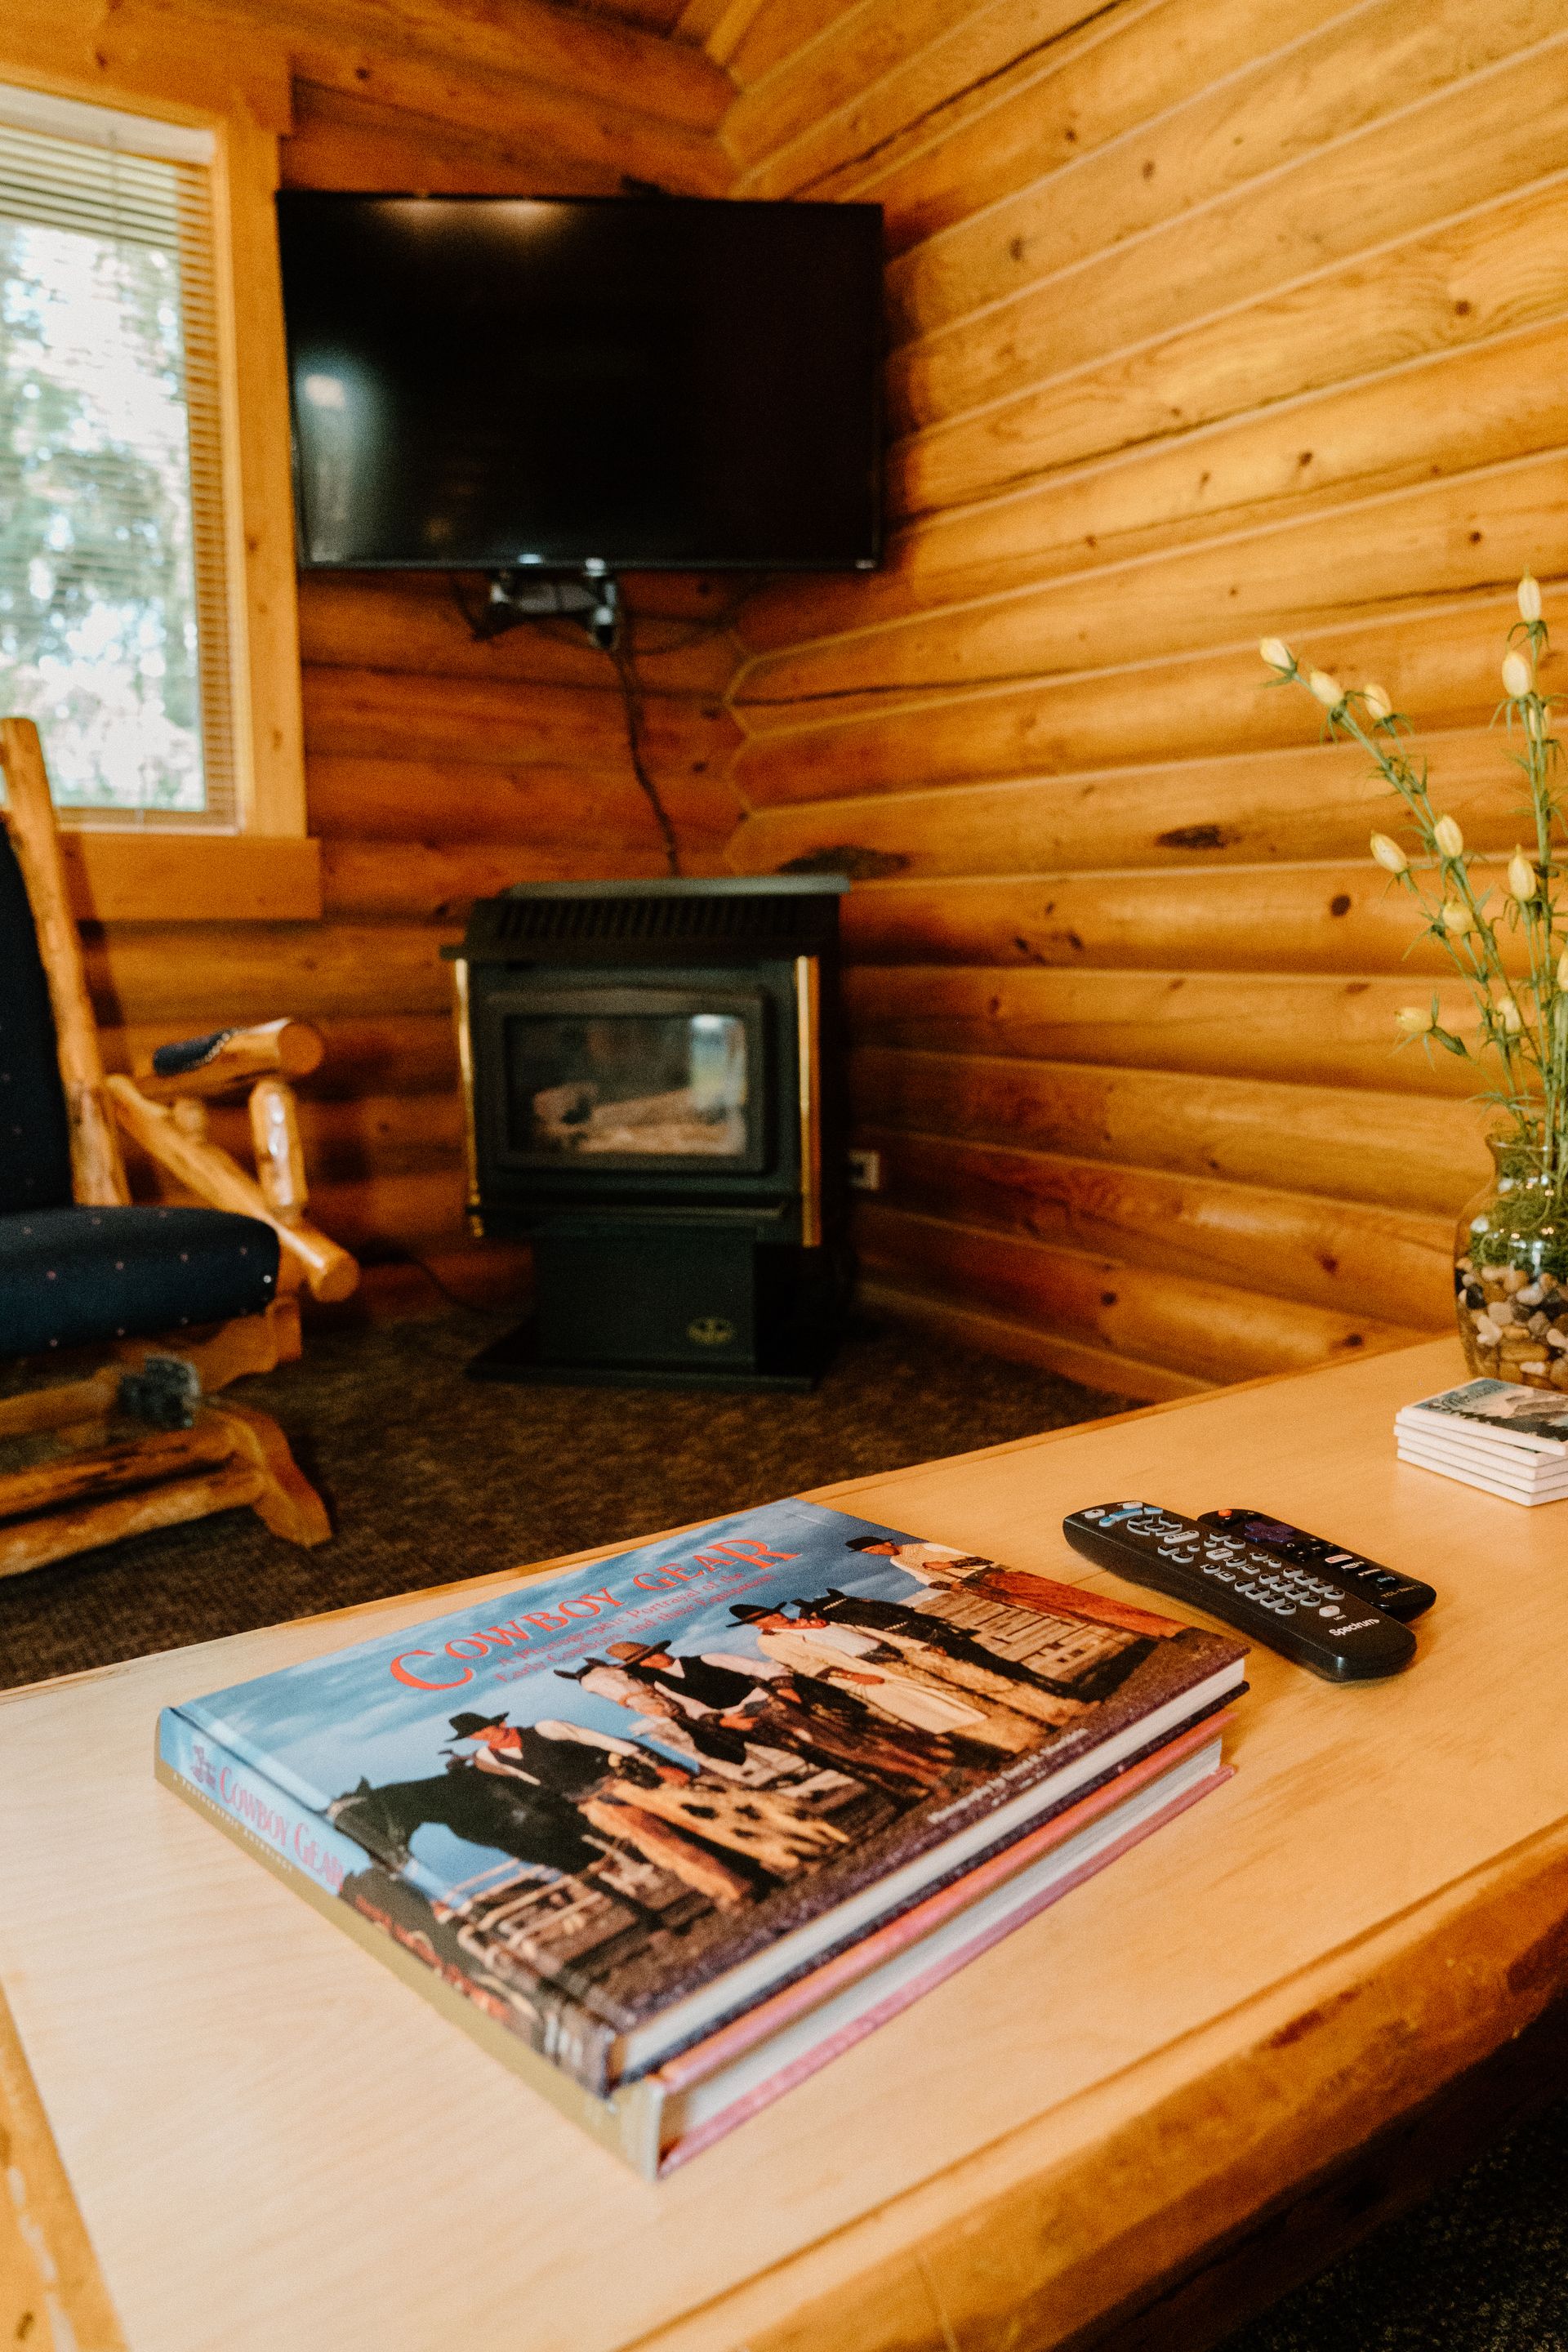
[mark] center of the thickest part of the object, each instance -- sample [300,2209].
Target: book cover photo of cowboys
[667,1832]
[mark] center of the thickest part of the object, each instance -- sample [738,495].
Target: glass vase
[1510,1273]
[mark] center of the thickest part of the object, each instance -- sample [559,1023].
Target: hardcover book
[668,1829]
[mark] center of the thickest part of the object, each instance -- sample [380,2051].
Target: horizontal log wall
[438,768]
[1208,319]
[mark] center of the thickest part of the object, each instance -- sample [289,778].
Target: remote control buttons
[1266,1590]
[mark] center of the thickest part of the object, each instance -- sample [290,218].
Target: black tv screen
[485,383]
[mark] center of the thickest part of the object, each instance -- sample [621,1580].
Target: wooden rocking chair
[214,1287]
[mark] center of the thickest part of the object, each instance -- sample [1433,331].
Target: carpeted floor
[431,1477]
[1482,2267]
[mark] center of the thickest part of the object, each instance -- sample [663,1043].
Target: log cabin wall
[1209,318]
[437,768]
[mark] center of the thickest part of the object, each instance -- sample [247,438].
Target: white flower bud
[1413,1019]
[1378,705]
[1563,971]
[1508,1016]
[1529,598]
[1522,876]
[1457,918]
[1450,841]
[1277,653]
[1388,854]
[1327,689]
[1516,675]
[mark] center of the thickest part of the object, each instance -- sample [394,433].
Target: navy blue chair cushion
[35,1142]
[72,1276]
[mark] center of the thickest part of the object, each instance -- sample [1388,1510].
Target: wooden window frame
[265,868]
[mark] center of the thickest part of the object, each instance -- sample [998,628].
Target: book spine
[567,2052]
[253,1808]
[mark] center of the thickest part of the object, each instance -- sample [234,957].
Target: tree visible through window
[106,462]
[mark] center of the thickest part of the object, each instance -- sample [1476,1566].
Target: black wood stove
[653,1079]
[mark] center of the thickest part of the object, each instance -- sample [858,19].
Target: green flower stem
[1533,1092]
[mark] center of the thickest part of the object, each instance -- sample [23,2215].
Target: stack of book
[1506,1439]
[667,1832]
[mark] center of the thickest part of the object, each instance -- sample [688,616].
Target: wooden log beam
[183,52]
[415,884]
[360,1136]
[1018,1341]
[1287,580]
[1320,801]
[522,40]
[610,132]
[1206,1329]
[1439,658]
[97,1170]
[720,24]
[1349,75]
[1340,323]
[396,1213]
[555,807]
[1308,1030]
[1434,415]
[1055,107]
[361,147]
[1384,1149]
[216,972]
[776,31]
[867,71]
[380,1211]
[402,624]
[1344,1256]
[382,715]
[1294,919]
[1477,137]
[1058,100]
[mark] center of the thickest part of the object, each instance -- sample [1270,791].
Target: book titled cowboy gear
[668,1831]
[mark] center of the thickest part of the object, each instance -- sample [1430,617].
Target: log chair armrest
[280,1155]
[216,1178]
[230,1057]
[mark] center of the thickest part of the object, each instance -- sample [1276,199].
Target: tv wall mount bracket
[589,593]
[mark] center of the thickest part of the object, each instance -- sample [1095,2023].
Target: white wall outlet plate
[864,1171]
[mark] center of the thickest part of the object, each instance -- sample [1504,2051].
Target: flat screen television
[497,383]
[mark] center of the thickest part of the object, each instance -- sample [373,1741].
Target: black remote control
[1364,1579]
[1291,1610]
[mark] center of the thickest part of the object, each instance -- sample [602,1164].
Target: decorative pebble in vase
[1510,1274]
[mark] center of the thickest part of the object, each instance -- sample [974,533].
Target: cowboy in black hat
[568,1767]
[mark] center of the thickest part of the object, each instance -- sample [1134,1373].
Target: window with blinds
[113,604]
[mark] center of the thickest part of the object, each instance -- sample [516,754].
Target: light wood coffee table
[1134,2102]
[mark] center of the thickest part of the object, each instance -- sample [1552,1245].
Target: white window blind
[113,604]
